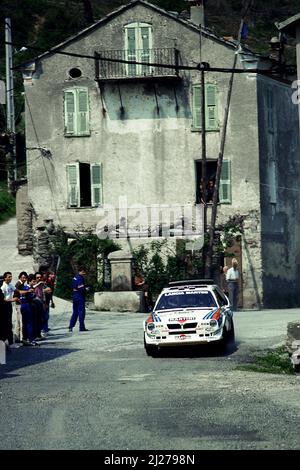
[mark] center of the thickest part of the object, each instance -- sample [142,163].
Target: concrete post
[121,270]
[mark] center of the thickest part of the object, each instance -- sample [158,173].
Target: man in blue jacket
[79,291]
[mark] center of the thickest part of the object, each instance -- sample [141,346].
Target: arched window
[138,47]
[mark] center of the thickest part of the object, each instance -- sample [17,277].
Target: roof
[192,282]
[290,25]
[110,16]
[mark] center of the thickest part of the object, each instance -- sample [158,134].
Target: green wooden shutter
[211,115]
[82,112]
[73,185]
[96,184]
[196,107]
[270,109]
[69,101]
[272,181]
[131,49]
[225,183]
[145,32]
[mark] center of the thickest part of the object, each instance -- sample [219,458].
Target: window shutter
[270,110]
[196,107]
[131,49]
[70,112]
[272,182]
[211,120]
[96,184]
[145,32]
[225,183]
[83,112]
[73,185]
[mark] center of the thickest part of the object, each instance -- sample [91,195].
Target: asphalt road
[99,390]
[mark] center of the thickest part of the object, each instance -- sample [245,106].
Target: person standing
[232,278]
[8,290]
[22,281]
[79,291]
[223,282]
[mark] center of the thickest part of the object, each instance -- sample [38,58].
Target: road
[99,390]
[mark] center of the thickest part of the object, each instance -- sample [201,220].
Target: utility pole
[203,163]
[212,227]
[10,109]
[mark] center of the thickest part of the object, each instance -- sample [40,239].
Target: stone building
[98,128]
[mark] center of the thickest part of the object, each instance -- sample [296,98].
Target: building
[291,27]
[98,128]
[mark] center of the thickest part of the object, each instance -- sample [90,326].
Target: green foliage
[84,250]
[273,362]
[230,230]
[160,265]
[7,203]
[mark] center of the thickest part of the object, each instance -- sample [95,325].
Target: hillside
[45,23]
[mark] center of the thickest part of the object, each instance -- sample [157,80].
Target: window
[84,184]
[220,298]
[76,104]
[211,111]
[138,45]
[211,171]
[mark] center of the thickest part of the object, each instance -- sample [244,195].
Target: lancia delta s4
[189,313]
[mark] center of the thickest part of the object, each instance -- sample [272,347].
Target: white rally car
[189,313]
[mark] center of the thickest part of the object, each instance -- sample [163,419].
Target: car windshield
[172,300]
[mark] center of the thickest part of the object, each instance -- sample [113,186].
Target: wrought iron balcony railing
[109,65]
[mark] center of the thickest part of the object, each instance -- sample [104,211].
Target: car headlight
[150,326]
[213,323]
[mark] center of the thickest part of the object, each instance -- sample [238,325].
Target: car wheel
[150,350]
[230,334]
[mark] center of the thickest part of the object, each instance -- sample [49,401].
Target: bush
[161,266]
[84,250]
[7,203]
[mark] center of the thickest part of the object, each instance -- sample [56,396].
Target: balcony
[110,65]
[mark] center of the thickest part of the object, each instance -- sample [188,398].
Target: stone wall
[24,212]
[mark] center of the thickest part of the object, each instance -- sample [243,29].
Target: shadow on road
[28,356]
[208,350]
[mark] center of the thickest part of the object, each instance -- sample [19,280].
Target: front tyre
[151,350]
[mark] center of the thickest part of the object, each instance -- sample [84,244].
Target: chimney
[197,12]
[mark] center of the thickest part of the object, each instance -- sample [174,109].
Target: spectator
[140,284]
[210,191]
[79,292]
[232,278]
[22,281]
[8,290]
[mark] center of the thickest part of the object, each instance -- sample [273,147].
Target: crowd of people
[32,297]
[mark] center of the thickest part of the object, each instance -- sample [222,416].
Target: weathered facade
[291,27]
[99,129]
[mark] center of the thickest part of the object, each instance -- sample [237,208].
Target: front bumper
[182,339]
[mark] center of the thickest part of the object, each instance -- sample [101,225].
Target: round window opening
[75,73]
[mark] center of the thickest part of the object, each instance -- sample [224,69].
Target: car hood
[184,314]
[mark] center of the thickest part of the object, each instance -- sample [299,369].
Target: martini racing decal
[182,319]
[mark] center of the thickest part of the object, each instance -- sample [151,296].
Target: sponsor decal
[182,319]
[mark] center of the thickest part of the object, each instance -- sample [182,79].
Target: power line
[201,66]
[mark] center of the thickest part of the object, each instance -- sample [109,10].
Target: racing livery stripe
[210,314]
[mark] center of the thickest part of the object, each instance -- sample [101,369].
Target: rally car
[189,313]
